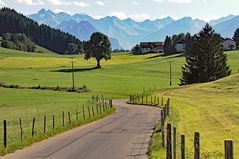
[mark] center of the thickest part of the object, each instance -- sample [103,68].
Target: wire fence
[28,129]
[169,137]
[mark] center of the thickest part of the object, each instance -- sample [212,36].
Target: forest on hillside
[43,35]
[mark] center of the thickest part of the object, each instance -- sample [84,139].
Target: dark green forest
[17,41]
[43,35]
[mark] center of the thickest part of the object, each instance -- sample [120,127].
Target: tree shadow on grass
[75,70]
[180,55]
[152,57]
[167,56]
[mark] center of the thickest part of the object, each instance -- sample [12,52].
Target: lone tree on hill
[205,58]
[98,47]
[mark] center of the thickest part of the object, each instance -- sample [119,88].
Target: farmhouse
[180,46]
[151,47]
[228,44]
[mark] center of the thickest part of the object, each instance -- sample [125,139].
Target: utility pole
[170,73]
[73,75]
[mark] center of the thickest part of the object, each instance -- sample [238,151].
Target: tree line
[43,35]
[18,41]
[170,42]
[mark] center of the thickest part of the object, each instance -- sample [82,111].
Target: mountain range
[126,33]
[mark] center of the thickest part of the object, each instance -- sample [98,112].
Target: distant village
[180,46]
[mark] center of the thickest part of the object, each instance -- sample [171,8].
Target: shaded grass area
[211,109]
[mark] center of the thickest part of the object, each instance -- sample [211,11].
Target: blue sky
[136,9]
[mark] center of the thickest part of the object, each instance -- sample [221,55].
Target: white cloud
[135,16]
[61,10]
[31,2]
[179,1]
[100,3]
[56,2]
[140,17]
[136,2]
[120,15]
[79,4]
[2,2]
[76,3]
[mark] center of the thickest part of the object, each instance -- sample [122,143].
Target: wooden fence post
[111,103]
[89,111]
[20,124]
[100,109]
[174,143]
[33,126]
[169,142]
[93,112]
[151,100]
[162,129]
[77,115]
[44,124]
[69,117]
[5,133]
[197,145]
[182,147]
[83,112]
[229,149]
[164,112]
[97,109]
[63,118]
[53,122]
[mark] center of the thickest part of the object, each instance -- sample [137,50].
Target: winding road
[123,135]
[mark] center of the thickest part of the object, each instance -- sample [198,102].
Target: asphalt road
[123,135]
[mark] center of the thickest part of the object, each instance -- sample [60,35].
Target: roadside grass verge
[211,109]
[26,104]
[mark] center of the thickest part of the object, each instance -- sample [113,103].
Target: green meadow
[211,109]
[124,74]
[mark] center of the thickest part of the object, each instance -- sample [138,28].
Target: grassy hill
[211,109]
[124,74]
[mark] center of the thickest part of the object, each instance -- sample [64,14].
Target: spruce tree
[169,47]
[236,37]
[205,58]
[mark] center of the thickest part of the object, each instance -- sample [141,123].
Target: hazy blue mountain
[221,20]
[184,25]
[50,18]
[81,17]
[129,32]
[83,31]
[227,28]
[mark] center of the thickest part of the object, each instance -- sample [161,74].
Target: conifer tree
[205,58]
[168,46]
[236,37]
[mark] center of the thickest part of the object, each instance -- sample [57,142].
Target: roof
[228,39]
[149,44]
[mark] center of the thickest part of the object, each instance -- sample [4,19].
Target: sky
[138,10]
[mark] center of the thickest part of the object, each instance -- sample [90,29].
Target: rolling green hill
[211,109]
[124,74]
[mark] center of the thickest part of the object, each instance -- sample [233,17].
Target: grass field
[211,109]
[124,74]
